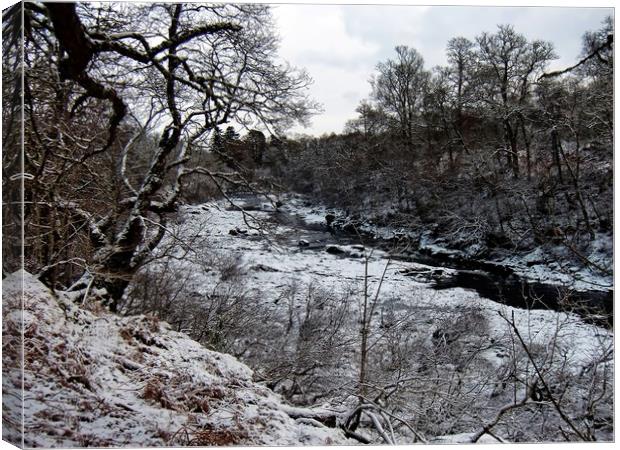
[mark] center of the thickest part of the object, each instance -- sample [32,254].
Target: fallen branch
[325,417]
[379,428]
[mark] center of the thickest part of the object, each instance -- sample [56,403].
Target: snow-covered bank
[95,379]
[550,263]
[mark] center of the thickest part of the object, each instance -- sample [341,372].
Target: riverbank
[272,285]
[499,274]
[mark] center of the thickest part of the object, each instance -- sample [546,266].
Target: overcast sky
[340,45]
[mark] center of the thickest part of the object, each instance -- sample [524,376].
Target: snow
[463,438]
[302,264]
[337,272]
[96,379]
[540,264]
[135,382]
[290,264]
[543,266]
[288,261]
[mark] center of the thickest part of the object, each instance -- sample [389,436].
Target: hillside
[95,379]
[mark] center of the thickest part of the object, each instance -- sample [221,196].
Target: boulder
[334,250]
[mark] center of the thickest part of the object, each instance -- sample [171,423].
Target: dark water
[595,306]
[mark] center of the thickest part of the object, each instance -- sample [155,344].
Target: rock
[415,271]
[264,268]
[303,243]
[329,218]
[535,262]
[334,250]
[233,232]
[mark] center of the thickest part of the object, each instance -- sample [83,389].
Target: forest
[440,271]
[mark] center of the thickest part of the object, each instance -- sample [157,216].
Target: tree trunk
[575,180]
[555,148]
[513,157]
[528,155]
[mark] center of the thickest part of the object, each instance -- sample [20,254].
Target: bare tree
[371,120]
[399,85]
[460,52]
[197,65]
[508,64]
[12,140]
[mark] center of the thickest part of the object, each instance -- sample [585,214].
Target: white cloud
[340,90]
[317,34]
[316,38]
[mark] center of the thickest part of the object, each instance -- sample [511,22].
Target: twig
[542,379]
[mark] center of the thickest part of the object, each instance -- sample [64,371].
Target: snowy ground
[93,379]
[274,260]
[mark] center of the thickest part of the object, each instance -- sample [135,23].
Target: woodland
[440,271]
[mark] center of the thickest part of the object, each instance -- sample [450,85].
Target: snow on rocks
[92,378]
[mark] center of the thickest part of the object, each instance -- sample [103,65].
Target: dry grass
[207,437]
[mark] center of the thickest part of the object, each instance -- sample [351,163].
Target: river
[493,281]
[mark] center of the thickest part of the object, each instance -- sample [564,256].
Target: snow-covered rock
[92,378]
